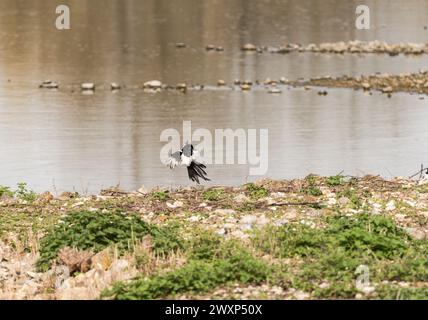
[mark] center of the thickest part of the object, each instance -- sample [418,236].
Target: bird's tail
[196,171]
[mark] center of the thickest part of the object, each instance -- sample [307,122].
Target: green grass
[22,192]
[310,187]
[329,254]
[96,231]
[221,264]
[213,194]
[256,192]
[160,195]
[334,252]
[398,293]
[5,191]
[334,181]
[25,224]
[354,199]
[204,246]
[312,191]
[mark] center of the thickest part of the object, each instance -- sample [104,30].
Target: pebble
[291,214]
[249,47]
[225,212]
[181,86]
[283,80]
[221,232]
[176,204]
[248,219]
[387,90]
[262,221]
[331,201]
[416,233]
[143,190]
[194,219]
[115,86]
[343,201]
[153,84]
[367,290]
[300,295]
[390,206]
[48,84]
[400,217]
[239,234]
[275,91]
[241,198]
[366,86]
[87,86]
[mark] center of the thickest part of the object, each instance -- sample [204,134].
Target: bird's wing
[196,171]
[174,160]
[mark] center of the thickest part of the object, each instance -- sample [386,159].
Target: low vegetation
[315,238]
[332,254]
[213,264]
[96,231]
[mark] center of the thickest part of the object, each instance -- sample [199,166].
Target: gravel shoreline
[230,213]
[341,47]
[386,83]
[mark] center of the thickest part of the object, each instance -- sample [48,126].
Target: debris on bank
[262,240]
[386,83]
[355,46]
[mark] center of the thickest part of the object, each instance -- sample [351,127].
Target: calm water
[63,140]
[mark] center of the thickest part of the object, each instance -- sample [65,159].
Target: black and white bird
[187,157]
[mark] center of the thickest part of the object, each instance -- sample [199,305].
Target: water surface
[63,140]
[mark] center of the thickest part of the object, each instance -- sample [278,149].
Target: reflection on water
[63,139]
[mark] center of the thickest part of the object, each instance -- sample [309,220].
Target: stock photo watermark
[363,279]
[63,21]
[252,146]
[363,17]
[362,283]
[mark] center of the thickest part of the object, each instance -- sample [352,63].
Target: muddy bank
[411,82]
[357,47]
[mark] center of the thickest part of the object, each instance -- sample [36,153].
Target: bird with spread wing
[187,157]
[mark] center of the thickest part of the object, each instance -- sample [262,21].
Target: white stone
[194,219]
[390,206]
[87,86]
[153,84]
[176,204]
[300,295]
[240,198]
[248,219]
[225,211]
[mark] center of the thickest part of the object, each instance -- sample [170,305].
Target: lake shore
[299,239]
[386,83]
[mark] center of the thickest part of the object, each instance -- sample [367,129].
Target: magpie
[187,157]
